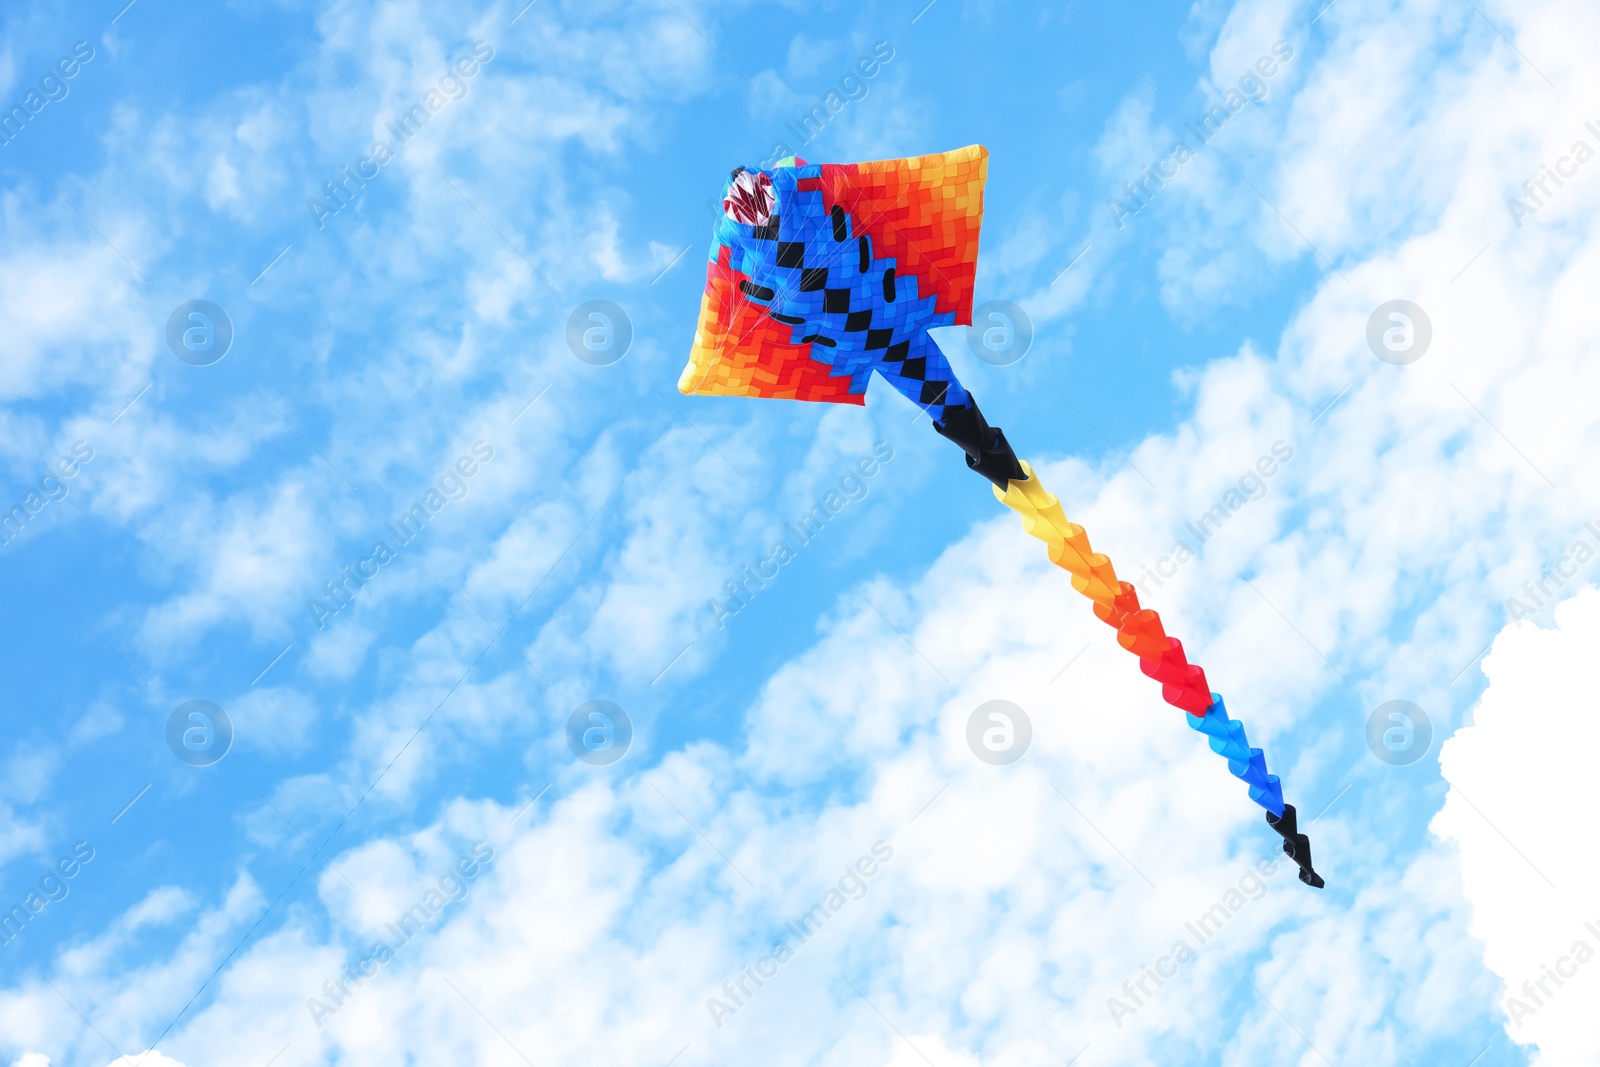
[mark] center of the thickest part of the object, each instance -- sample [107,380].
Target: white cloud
[100,719]
[1519,778]
[250,557]
[277,720]
[19,836]
[69,303]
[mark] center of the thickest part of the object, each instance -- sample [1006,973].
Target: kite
[821,274]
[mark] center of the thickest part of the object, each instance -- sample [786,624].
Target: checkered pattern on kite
[924,212]
[858,262]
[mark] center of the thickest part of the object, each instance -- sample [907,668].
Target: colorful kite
[821,274]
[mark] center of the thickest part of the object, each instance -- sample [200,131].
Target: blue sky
[424,325]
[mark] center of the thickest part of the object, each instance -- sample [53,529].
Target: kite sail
[821,274]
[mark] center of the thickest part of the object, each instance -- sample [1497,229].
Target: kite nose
[749,199]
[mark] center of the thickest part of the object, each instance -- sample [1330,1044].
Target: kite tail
[1139,630]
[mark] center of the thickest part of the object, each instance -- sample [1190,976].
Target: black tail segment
[1296,846]
[988,451]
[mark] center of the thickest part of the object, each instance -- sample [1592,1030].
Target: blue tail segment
[1247,764]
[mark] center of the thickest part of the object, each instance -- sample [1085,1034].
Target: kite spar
[821,274]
